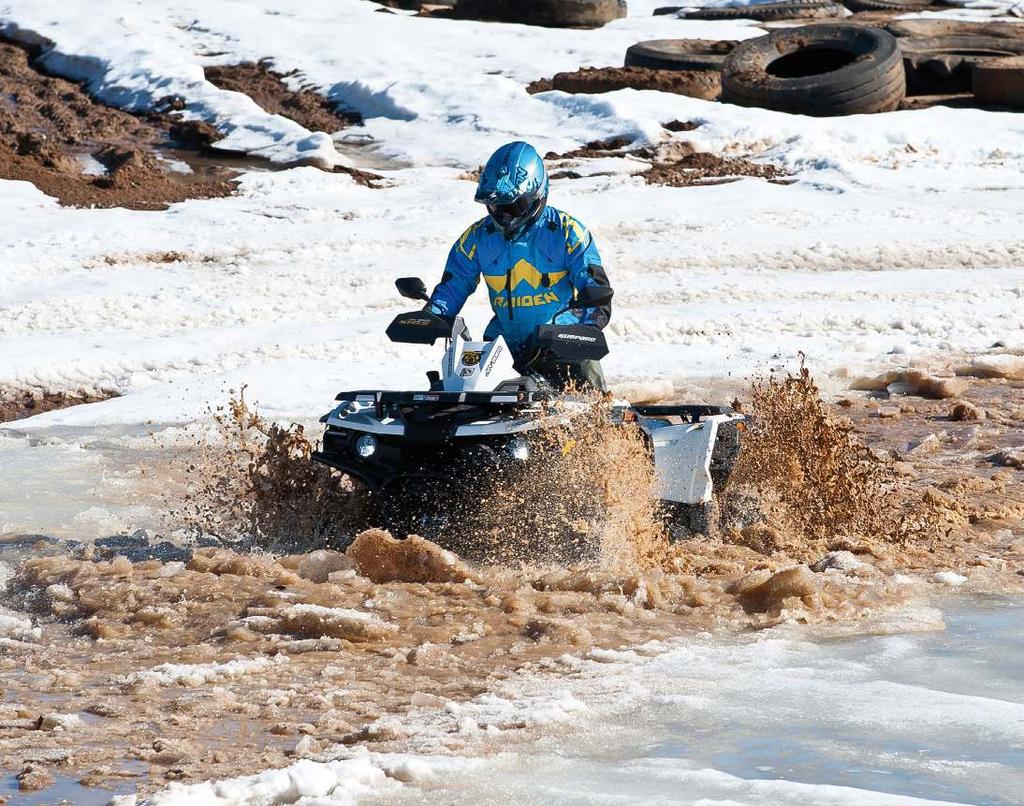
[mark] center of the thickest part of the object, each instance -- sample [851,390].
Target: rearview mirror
[412,288]
[593,296]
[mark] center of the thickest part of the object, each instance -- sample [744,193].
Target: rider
[533,259]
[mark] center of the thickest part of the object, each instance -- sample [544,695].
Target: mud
[271,91]
[54,135]
[225,662]
[703,168]
[703,84]
[16,404]
[674,162]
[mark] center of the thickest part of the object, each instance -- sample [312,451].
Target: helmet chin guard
[514,187]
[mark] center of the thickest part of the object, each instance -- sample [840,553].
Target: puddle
[65,789]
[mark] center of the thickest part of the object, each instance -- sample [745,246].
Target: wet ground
[132,662]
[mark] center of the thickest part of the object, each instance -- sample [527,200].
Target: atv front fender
[683,457]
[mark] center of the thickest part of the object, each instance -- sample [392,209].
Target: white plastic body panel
[682,458]
[476,366]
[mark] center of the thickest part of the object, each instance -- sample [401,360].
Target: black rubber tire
[679,54]
[928,28]
[769,12]
[867,75]
[886,5]
[548,13]
[943,64]
[1000,83]
[687,521]
[725,455]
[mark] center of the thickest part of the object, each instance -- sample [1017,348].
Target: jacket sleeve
[585,269]
[461,275]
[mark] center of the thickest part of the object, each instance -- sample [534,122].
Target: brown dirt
[704,168]
[47,123]
[681,126]
[268,88]
[674,163]
[16,404]
[594,149]
[704,84]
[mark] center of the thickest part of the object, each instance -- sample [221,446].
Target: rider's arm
[461,276]
[585,269]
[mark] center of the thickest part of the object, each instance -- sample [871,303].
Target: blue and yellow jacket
[529,279]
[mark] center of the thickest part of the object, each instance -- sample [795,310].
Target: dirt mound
[704,84]
[16,404]
[54,135]
[269,89]
[381,558]
[704,168]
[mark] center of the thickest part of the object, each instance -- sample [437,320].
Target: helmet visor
[506,214]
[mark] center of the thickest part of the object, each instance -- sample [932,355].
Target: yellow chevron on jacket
[522,271]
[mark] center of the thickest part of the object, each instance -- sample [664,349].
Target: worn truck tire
[1000,82]
[886,5]
[725,455]
[817,70]
[768,12]
[943,64]
[549,13]
[679,54]
[934,27]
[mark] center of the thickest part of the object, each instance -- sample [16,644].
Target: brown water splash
[805,481]
[254,484]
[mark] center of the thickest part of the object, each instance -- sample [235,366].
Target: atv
[419,452]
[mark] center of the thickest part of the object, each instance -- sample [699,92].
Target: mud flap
[682,460]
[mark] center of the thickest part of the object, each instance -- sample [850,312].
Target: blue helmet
[514,186]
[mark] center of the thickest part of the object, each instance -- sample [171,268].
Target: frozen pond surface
[906,718]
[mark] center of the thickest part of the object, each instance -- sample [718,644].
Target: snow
[331,613]
[336,782]
[903,228]
[197,674]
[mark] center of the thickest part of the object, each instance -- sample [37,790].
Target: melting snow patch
[339,782]
[17,627]
[184,674]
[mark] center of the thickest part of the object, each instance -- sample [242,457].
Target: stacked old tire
[821,70]
[548,13]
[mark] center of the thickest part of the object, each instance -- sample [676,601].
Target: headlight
[518,448]
[366,445]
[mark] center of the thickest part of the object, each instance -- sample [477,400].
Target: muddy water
[789,719]
[211,662]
